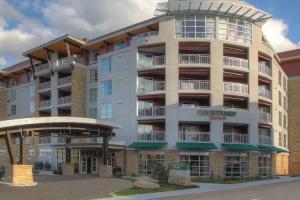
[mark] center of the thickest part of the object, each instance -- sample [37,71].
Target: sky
[25,24]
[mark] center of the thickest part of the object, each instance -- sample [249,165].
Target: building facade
[199,83]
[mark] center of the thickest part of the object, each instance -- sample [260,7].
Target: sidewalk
[205,187]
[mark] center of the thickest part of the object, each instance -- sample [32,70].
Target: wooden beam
[73,44]
[32,67]
[68,51]
[36,58]
[48,60]
[22,153]
[9,148]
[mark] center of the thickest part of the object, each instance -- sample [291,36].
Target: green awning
[271,148]
[148,145]
[240,147]
[193,145]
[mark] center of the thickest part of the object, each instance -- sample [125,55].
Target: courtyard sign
[217,114]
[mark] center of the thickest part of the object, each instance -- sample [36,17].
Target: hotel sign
[217,114]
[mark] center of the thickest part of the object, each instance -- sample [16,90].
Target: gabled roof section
[229,8]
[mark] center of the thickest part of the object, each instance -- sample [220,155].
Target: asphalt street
[282,191]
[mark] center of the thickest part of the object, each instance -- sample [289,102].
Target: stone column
[217,165]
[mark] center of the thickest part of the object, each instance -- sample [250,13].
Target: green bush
[48,165]
[158,171]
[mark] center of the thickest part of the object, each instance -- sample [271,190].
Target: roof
[45,122]
[290,62]
[229,8]
[193,145]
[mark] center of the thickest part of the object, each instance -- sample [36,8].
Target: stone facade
[78,97]
[253,165]
[132,163]
[68,169]
[217,164]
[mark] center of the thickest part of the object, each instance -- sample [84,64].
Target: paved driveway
[64,187]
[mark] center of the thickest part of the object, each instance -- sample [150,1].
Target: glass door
[94,165]
[83,165]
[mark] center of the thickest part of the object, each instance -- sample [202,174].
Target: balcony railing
[236,138]
[193,59]
[66,62]
[151,62]
[264,116]
[65,81]
[154,86]
[192,136]
[43,68]
[64,100]
[45,85]
[154,111]
[263,68]
[45,140]
[45,104]
[263,139]
[236,88]
[263,92]
[236,62]
[152,136]
[194,85]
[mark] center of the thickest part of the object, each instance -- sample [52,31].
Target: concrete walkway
[205,187]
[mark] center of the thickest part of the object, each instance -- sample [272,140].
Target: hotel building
[198,83]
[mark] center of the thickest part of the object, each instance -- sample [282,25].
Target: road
[282,191]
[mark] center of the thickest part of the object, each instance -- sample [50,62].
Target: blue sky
[27,23]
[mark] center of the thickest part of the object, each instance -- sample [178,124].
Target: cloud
[276,31]
[3,62]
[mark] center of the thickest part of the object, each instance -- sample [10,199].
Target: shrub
[48,165]
[158,171]
[39,165]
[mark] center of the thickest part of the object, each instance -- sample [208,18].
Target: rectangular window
[106,65]
[93,95]
[279,98]
[285,103]
[236,165]
[195,26]
[106,87]
[145,159]
[106,110]
[280,139]
[199,164]
[284,84]
[12,94]
[93,75]
[93,113]
[284,122]
[93,56]
[280,118]
[279,77]
[13,110]
[121,44]
[265,165]
[285,140]
[32,106]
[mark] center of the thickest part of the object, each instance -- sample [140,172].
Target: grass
[164,187]
[233,181]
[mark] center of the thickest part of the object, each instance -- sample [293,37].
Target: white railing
[153,86]
[264,116]
[192,59]
[263,68]
[64,100]
[152,112]
[42,68]
[66,62]
[151,62]
[150,33]
[94,140]
[152,136]
[78,59]
[45,140]
[237,88]
[236,62]
[61,140]
[236,138]
[45,104]
[45,85]
[263,139]
[192,136]
[263,92]
[64,81]
[194,85]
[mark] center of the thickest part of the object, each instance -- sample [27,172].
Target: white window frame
[105,89]
[106,110]
[235,161]
[200,167]
[265,165]
[106,65]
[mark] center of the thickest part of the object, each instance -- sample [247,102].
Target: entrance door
[89,165]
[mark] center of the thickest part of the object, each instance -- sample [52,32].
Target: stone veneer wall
[293,125]
[78,92]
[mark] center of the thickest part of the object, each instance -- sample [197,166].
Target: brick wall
[282,164]
[132,163]
[78,92]
[253,165]
[3,101]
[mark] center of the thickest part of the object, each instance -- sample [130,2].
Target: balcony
[45,140]
[265,117]
[45,86]
[45,104]
[64,100]
[264,69]
[236,88]
[191,136]
[236,138]
[66,62]
[64,81]
[150,87]
[155,111]
[156,136]
[265,140]
[42,69]
[151,62]
[237,63]
[263,92]
[196,85]
[194,59]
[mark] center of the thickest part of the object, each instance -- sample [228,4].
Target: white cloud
[276,32]
[3,62]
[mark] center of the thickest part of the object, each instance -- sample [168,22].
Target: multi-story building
[198,83]
[290,62]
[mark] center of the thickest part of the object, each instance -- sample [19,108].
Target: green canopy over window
[271,148]
[148,145]
[240,147]
[199,146]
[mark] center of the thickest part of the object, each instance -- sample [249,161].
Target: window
[75,159]
[279,77]
[93,95]
[12,94]
[93,56]
[199,163]
[93,75]
[112,159]
[236,165]
[32,91]
[279,98]
[93,113]
[280,118]
[285,140]
[285,105]
[284,122]
[121,44]
[106,65]
[13,110]
[106,88]
[280,139]
[195,26]
[284,84]
[235,30]
[264,136]
[106,110]
[144,167]
[265,165]
[32,106]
